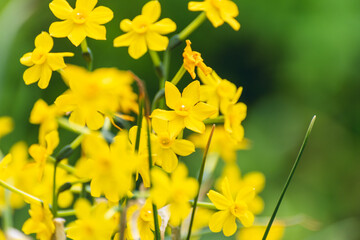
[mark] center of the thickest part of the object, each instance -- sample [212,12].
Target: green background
[293,58]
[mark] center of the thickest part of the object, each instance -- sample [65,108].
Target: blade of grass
[289,178]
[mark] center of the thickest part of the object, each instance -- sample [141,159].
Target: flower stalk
[87,54]
[27,197]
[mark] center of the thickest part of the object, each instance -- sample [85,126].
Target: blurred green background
[293,58]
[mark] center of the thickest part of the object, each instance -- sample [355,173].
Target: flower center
[146,215]
[78,17]
[238,209]
[165,142]
[38,56]
[140,24]
[216,3]
[224,89]
[182,110]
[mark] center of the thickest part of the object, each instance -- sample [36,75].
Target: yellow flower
[256,232]
[254,180]
[42,62]
[144,32]
[193,59]
[41,222]
[225,219]
[218,12]
[177,191]
[40,153]
[222,143]
[81,22]
[91,223]
[92,95]
[6,125]
[167,146]
[44,115]
[187,110]
[112,165]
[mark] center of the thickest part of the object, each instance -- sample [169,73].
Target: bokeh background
[293,58]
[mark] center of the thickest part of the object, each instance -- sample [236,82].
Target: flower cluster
[129,180]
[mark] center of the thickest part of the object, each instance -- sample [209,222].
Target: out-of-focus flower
[40,223]
[218,12]
[143,32]
[83,21]
[187,111]
[193,59]
[256,232]
[176,191]
[42,62]
[225,219]
[6,125]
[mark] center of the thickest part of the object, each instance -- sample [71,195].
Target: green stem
[68,168]
[28,197]
[7,213]
[178,75]
[87,54]
[289,178]
[200,181]
[206,205]
[219,119]
[66,213]
[139,124]
[77,141]
[54,204]
[73,127]
[158,96]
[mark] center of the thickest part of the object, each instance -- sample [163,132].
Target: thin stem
[200,181]
[207,205]
[158,96]
[77,141]
[219,119]
[139,125]
[66,213]
[178,75]
[122,223]
[28,197]
[68,168]
[54,205]
[289,178]
[73,127]
[7,213]
[87,54]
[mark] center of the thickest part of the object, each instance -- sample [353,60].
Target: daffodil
[187,110]
[92,222]
[6,125]
[230,209]
[144,32]
[167,145]
[218,12]
[257,232]
[193,59]
[41,222]
[255,180]
[176,191]
[42,62]
[83,21]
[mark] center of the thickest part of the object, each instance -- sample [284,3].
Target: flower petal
[45,76]
[55,61]
[137,47]
[194,124]
[176,125]
[44,41]
[172,95]
[247,219]
[230,226]
[82,208]
[95,31]
[169,160]
[225,188]
[245,194]
[214,17]
[77,117]
[156,42]
[61,29]
[151,10]
[183,147]
[202,111]
[61,9]
[196,6]
[217,220]
[101,15]
[159,125]
[26,59]
[95,120]
[86,5]
[124,40]
[163,114]
[192,92]
[32,74]
[126,25]
[218,200]
[77,35]
[164,26]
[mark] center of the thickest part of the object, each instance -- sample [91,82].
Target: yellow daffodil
[40,153]
[176,191]
[92,95]
[41,222]
[217,91]
[143,32]
[188,111]
[254,180]
[256,232]
[222,143]
[6,125]
[44,115]
[225,219]
[193,59]
[42,62]
[218,12]
[83,21]
[112,165]
[167,146]
[92,222]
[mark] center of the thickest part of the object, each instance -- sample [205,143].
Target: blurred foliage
[294,59]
